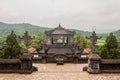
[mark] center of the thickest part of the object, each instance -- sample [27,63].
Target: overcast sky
[78,14]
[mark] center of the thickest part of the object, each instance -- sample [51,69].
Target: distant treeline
[19,29]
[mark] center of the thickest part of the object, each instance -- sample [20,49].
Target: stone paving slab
[61,72]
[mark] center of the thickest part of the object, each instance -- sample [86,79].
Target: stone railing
[98,65]
[110,65]
[22,65]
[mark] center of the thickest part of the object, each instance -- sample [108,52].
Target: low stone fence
[98,65]
[22,65]
[110,65]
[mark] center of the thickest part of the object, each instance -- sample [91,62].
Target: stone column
[26,64]
[94,63]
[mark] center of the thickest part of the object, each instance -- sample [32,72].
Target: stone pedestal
[94,63]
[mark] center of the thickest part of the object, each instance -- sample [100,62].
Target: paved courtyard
[54,72]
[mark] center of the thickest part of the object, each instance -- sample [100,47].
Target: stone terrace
[60,72]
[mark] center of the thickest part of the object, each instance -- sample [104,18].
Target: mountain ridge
[30,27]
[20,28]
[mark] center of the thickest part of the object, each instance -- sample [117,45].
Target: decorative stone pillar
[94,63]
[26,64]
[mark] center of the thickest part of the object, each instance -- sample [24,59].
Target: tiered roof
[60,31]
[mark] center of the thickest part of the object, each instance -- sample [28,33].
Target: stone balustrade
[21,65]
[98,65]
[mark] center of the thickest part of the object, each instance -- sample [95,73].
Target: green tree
[81,40]
[111,42]
[110,49]
[1,53]
[39,40]
[12,49]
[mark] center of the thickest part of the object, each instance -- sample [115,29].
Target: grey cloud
[79,14]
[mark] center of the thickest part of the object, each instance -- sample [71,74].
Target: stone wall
[110,65]
[98,65]
[21,65]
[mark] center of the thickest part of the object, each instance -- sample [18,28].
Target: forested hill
[117,33]
[20,28]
